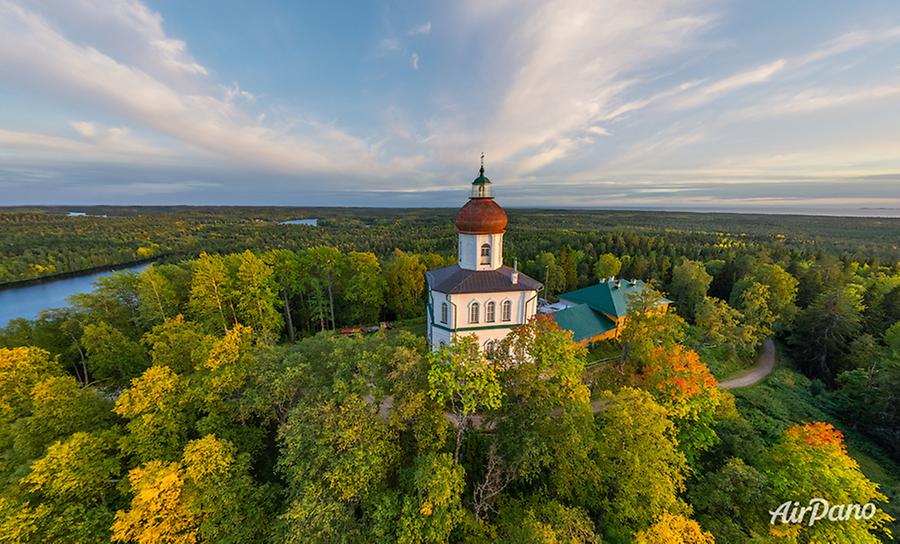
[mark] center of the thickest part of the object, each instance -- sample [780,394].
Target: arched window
[506,311]
[485,253]
[473,313]
[445,310]
[490,347]
[490,312]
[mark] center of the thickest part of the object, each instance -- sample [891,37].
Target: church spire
[481,187]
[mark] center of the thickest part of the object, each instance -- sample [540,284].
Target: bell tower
[481,224]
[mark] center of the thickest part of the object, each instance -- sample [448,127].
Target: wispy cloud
[577,59]
[424,28]
[33,50]
[414,61]
[702,94]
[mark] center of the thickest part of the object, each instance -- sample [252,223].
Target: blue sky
[641,104]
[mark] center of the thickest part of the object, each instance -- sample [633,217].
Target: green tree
[782,288]
[156,297]
[690,282]
[113,358]
[649,326]
[287,274]
[824,330]
[210,300]
[324,264]
[178,344]
[460,377]
[543,522]
[20,370]
[544,429]
[430,505]
[404,274]
[59,407]
[607,266]
[256,298]
[549,272]
[568,262]
[636,487]
[733,502]
[364,286]
[334,456]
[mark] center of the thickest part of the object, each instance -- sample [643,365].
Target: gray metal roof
[453,279]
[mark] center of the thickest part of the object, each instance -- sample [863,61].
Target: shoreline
[16,284]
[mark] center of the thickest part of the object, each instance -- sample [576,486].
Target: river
[30,300]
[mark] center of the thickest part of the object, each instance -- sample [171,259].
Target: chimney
[515,275]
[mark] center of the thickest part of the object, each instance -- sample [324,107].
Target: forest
[213,398]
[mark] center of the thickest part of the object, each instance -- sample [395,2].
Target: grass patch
[415,325]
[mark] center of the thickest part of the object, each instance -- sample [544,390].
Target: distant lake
[310,222]
[30,300]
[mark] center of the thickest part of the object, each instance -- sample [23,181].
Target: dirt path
[764,365]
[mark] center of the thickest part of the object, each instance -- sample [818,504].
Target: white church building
[479,295]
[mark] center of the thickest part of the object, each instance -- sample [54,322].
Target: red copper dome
[481,216]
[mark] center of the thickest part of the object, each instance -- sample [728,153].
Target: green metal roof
[583,322]
[608,297]
[481,179]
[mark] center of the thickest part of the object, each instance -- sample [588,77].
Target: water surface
[30,300]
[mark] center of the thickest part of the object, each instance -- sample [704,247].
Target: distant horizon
[864,212]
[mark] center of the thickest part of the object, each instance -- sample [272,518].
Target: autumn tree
[158,407]
[811,461]
[674,529]
[682,384]
[205,496]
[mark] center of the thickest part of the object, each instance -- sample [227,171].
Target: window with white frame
[473,312]
[485,253]
[490,312]
[506,311]
[445,312]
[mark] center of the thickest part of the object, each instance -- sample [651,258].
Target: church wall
[524,306]
[469,251]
